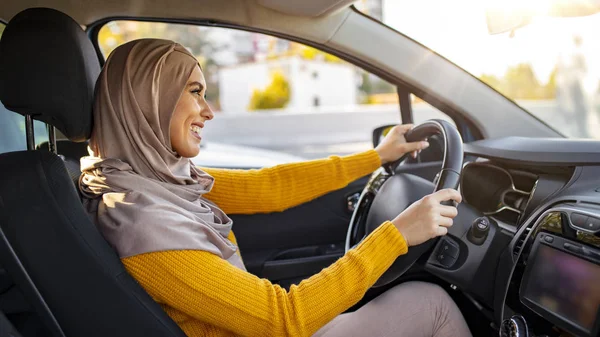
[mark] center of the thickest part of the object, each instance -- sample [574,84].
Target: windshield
[551,67]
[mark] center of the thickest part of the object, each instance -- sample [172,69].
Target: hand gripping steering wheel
[387,194]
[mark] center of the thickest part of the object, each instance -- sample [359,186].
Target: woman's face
[189,116]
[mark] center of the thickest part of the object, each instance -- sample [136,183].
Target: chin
[192,152]
[188,153]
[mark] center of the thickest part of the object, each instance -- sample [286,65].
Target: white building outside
[313,83]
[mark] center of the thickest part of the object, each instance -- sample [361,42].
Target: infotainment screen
[565,285]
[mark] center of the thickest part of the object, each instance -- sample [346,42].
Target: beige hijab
[142,195]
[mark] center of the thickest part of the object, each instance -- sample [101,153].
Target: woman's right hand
[427,218]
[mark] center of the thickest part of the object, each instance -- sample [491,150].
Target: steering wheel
[387,194]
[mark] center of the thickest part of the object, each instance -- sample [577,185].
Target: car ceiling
[315,20]
[309,8]
[239,11]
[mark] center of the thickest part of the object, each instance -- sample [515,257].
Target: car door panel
[286,247]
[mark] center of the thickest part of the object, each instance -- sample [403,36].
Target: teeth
[196,129]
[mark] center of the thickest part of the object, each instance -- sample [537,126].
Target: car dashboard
[526,243]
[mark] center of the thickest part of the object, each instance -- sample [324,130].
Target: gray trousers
[411,309]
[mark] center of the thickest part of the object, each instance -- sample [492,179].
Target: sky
[457,30]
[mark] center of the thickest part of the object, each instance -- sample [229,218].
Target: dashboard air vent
[521,241]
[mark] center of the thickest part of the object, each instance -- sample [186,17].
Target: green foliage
[382,87]
[275,96]
[374,90]
[519,82]
[366,86]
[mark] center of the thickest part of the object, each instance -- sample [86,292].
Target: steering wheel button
[452,251]
[447,246]
[446,260]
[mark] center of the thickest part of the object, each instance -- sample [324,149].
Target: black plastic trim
[406,112]
[538,151]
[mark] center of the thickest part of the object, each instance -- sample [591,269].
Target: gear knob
[479,230]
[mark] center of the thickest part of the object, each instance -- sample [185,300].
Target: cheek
[195,107]
[188,109]
[176,129]
[181,114]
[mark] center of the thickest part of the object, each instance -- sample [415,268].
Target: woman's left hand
[394,145]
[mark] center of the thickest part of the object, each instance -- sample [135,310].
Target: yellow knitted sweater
[207,296]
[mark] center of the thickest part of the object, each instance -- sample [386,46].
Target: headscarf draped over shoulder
[143,196]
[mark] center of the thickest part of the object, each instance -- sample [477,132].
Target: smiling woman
[164,218]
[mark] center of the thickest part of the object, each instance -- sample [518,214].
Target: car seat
[48,244]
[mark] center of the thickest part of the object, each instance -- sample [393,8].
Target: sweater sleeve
[280,187]
[215,292]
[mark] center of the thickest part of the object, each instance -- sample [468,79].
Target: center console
[554,288]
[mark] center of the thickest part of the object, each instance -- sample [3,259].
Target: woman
[167,219]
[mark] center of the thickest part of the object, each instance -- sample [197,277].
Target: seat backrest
[48,243]
[71,153]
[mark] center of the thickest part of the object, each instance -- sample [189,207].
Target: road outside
[319,134]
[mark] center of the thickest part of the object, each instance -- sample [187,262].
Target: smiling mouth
[196,131]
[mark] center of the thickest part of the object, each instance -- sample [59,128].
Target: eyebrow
[196,83]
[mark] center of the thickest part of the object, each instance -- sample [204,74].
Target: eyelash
[197,92]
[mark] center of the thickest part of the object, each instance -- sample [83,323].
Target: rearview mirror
[505,16]
[380,133]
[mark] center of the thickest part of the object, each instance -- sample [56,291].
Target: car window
[549,65]
[423,111]
[12,131]
[12,127]
[275,99]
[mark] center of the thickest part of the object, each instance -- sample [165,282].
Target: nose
[207,112]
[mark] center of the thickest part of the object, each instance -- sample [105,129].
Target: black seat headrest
[49,68]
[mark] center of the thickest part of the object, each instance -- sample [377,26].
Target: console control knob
[479,230]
